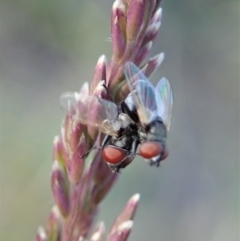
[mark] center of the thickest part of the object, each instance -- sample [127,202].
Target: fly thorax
[123,142]
[116,125]
[118,143]
[142,133]
[124,120]
[156,131]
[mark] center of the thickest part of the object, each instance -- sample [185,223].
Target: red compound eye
[113,155]
[151,149]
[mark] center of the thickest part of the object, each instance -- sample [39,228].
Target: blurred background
[49,47]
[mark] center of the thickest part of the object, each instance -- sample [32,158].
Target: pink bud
[157,17]
[118,41]
[153,64]
[119,10]
[99,73]
[53,228]
[135,18]
[59,150]
[100,191]
[60,188]
[142,53]
[127,213]
[77,132]
[151,33]
[98,234]
[85,222]
[41,235]
[118,26]
[95,109]
[131,207]
[76,163]
[101,91]
[156,7]
[122,232]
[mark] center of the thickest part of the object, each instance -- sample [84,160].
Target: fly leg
[135,144]
[105,141]
[94,148]
[109,96]
[155,161]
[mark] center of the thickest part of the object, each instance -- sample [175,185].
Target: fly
[121,141]
[151,109]
[142,120]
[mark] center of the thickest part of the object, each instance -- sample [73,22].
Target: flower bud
[118,28]
[151,33]
[122,232]
[156,7]
[157,17]
[76,164]
[119,11]
[142,53]
[58,150]
[153,64]
[60,184]
[135,19]
[53,228]
[127,213]
[131,207]
[77,131]
[118,41]
[100,191]
[98,234]
[96,108]
[99,73]
[41,235]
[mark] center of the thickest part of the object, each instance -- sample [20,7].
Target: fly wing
[143,93]
[92,111]
[164,98]
[68,102]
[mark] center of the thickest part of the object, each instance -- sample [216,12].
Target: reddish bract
[151,149]
[113,155]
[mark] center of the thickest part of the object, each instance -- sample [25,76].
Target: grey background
[49,47]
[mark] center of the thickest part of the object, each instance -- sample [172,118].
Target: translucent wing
[143,93]
[92,111]
[164,98]
[68,102]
